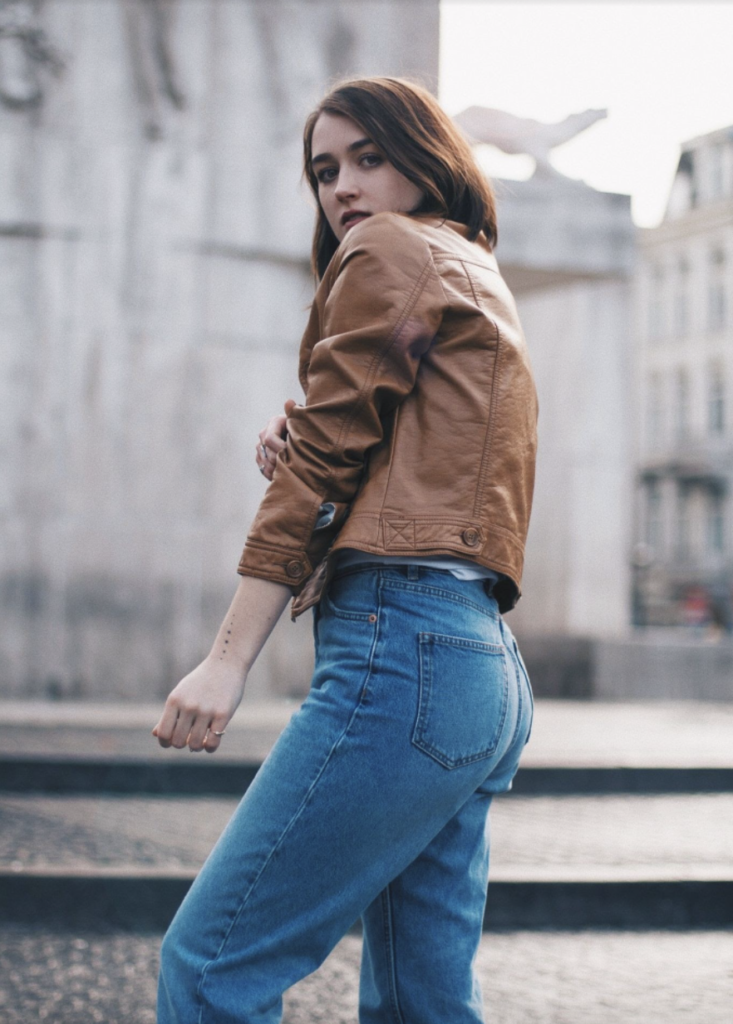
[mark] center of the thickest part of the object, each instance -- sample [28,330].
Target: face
[355,178]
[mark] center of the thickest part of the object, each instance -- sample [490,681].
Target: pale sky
[663,70]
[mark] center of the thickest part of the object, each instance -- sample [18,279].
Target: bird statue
[25,51]
[514,134]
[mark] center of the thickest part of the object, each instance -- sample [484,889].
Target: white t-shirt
[461,568]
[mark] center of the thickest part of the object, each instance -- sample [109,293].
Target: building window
[682,522]
[716,400]
[717,298]
[716,524]
[654,532]
[682,300]
[682,404]
[717,183]
[656,304]
[655,409]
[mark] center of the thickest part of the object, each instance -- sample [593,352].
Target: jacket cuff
[291,568]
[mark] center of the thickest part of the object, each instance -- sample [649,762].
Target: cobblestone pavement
[663,837]
[527,978]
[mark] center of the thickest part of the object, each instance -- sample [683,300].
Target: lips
[351,217]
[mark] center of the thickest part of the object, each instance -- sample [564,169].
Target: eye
[371,159]
[326,175]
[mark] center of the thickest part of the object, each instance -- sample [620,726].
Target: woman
[398,512]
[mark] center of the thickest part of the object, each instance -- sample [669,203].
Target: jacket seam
[427,520]
[391,461]
[490,428]
[430,264]
[491,424]
[451,257]
[377,360]
[458,520]
[274,549]
[464,264]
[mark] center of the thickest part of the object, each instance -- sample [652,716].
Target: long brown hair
[416,135]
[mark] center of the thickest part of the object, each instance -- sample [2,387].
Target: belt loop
[413,572]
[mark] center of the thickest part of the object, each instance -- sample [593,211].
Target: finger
[261,460]
[197,736]
[275,428]
[218,724]
[164,729]
[274,444]
[183,728]
[265,466]
[275,425]
[270,427]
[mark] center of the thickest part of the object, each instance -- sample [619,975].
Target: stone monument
[154,284]
[567,252]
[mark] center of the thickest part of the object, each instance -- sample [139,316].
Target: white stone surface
[154,280]
[567,252]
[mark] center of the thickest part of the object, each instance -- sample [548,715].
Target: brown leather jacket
[420,417]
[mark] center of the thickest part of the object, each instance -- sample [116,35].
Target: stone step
[80,775]
[576,747]
[565,734]
[643,861]
[144,902]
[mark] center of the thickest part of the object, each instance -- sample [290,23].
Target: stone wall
[154,280]
[649,664]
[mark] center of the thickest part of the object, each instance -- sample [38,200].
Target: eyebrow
[324,157]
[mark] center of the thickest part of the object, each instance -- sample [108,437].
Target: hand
[201,705]
[273,438]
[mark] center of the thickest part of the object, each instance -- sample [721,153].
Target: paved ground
[565,733]
[527,978]
[552,838]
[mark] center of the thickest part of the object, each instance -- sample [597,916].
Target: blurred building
[154,284]
[683,560]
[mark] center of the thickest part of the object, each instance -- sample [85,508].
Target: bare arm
[205,700]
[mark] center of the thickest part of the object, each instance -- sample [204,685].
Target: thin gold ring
[219,733]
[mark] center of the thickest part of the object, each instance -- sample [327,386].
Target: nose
[346,187]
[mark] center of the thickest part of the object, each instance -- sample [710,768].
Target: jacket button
[294,569]
[470,537]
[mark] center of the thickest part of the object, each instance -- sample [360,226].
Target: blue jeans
[373,803]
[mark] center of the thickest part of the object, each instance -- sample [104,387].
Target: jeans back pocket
[462,703]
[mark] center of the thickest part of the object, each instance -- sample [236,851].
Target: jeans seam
[390,953]
[449,595]
[296,814]
[520,702]
[524,679]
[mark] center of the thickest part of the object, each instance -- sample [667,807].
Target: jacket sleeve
[382,312]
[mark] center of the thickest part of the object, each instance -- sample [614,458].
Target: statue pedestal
[567,253]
